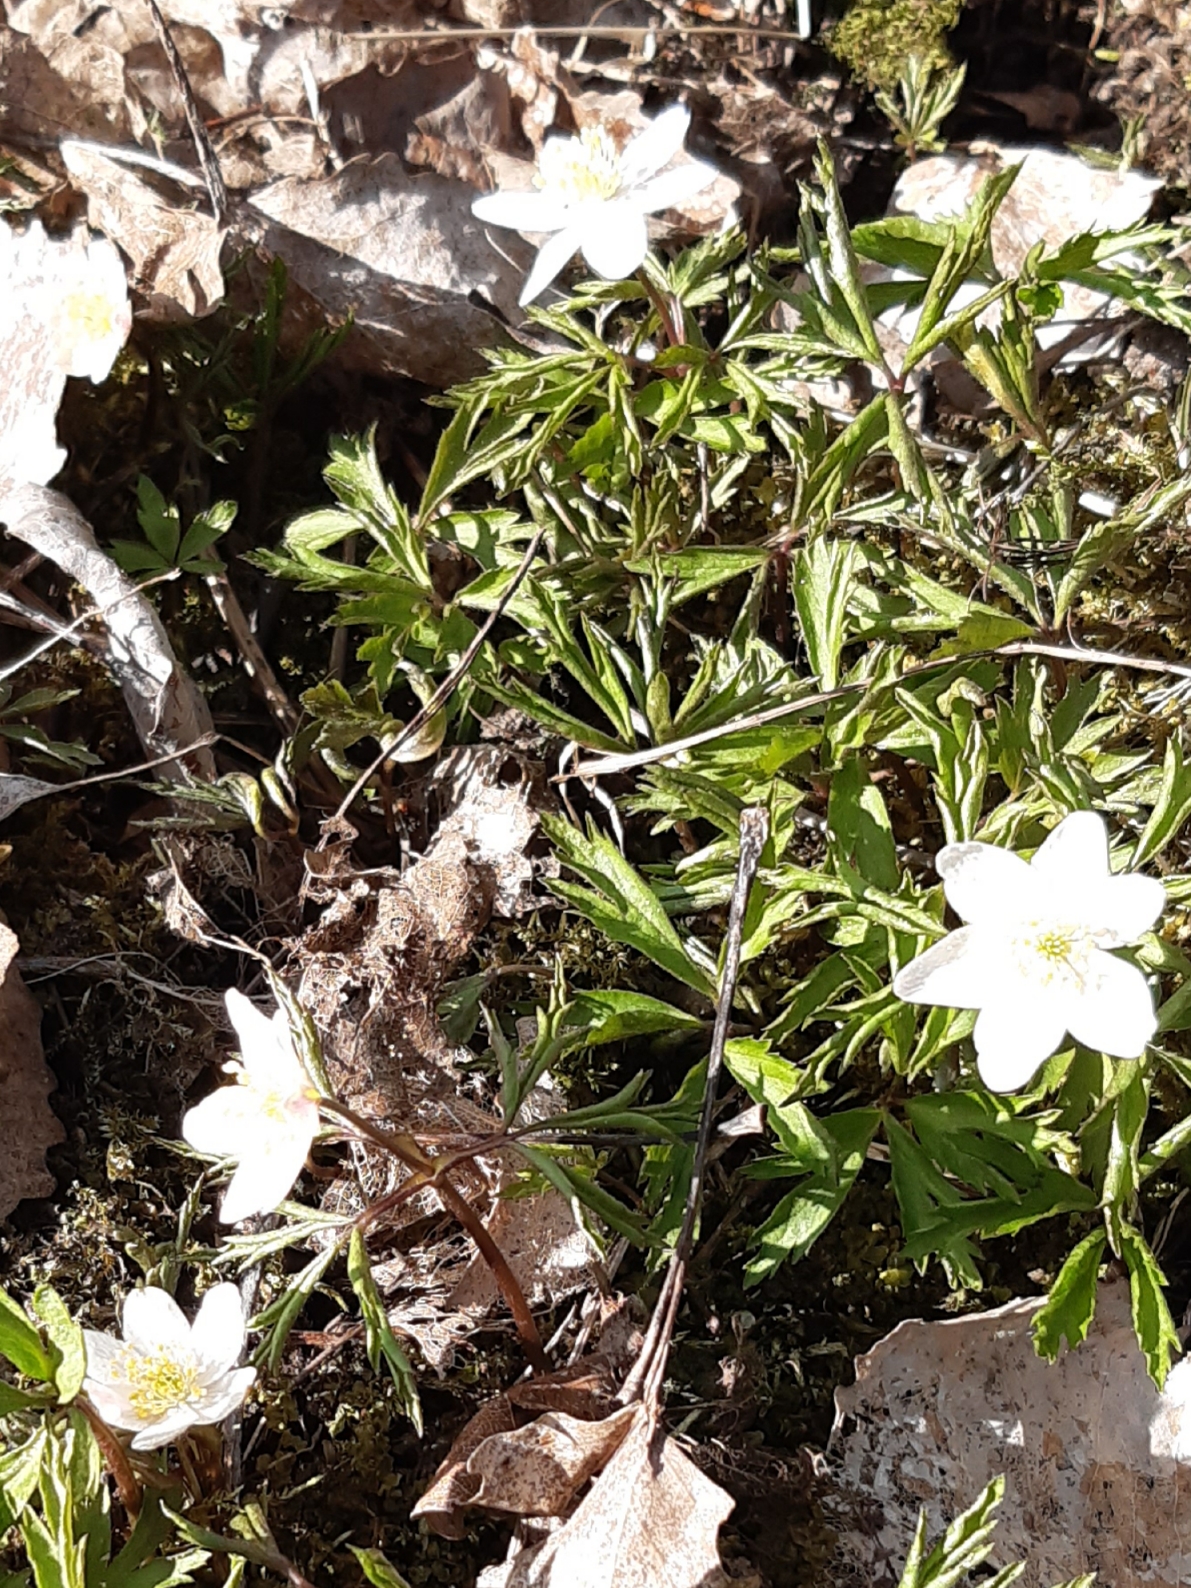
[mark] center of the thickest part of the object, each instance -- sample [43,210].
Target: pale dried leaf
[938,1409]
[17,790]
[400,252]
[30,1124]
[167,709]
[174,251]
[649,1521]
[537,1470]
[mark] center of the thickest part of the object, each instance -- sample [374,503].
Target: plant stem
[127,1487]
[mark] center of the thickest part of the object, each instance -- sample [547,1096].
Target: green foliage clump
[876,39]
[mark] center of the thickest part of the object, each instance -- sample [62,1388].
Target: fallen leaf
[938,1409]
[650,1520]
[174,252]
[537,1470]
[403,255]
[30,1124]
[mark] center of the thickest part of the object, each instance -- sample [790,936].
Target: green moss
[876,38]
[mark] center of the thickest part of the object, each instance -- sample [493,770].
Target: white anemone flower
[592,198]
[1033,957]
[167,1375]
[266,1122]
[87,309]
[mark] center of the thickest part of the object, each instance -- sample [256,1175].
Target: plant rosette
[265,1122]
[167,1375]
[1034,956]
[592,198]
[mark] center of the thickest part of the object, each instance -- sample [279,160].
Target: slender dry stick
[208,159]
[429,1173]
[645,1380]
[449,684]
[605,765]
[606,31]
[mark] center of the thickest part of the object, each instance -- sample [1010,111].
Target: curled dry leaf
[497,1461]
[939,1409]
[650,1520]
[166,707]
[174,252]
[30,1124]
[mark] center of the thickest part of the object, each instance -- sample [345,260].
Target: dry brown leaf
[650,1520]
[40,101]
[174,252]
[939,1409]
[537,1470]
[30,1124]
[401,253]
[493,1453]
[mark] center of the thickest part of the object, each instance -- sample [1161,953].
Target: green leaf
[21,1343]
[860,831]
[801,1217]
[1172,808]
[964,1546]
[611,1015]
[379,1338]
[1152,1322]
[377,1568]
[70,1352]
[20,1468]
[1067,1312]
[158,520]
[821,578]
[620,902]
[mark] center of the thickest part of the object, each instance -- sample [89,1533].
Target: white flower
[266,1122]
[1032,958]
[594,198]
[168,1375]
[87,309]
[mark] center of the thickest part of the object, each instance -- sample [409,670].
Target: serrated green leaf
[1152,1323]
[1067,1312]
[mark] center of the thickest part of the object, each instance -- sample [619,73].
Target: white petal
[960,972]
[267,1177]
[552,256]
[984,883]
[673,188]
[529,211]
[153,1319]
[224,1397]
[218,1333]
[1115,1012]
[224,1125]
[102,1353]
[1014,1036]
[616,243]
[111,1405]
[1075,852]
[1127,906]
[171,1426]
[266,1045]
[654,147]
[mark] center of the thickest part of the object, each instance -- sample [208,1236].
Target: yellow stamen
[87,316]
[159,1381]
[582,168]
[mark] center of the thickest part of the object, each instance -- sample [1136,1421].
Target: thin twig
[606,765]
[256,663]
[204,148]
[606,31]
[645,1380]
[449,684]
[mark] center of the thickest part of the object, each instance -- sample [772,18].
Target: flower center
[86,317]
[158,1381]
[581,169]
[1055,952]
